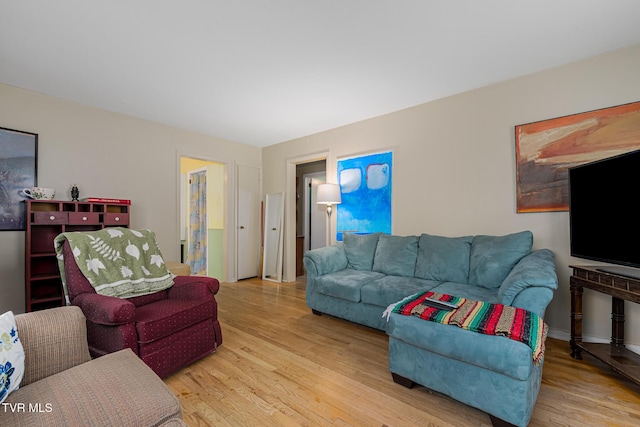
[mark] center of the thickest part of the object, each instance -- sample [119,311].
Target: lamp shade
[329,194]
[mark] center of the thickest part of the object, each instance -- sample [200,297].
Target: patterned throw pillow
[11,356]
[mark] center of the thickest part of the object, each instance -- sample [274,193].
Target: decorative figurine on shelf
[75,193]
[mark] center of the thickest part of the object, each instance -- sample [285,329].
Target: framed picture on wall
[18,167]
[365,185]
[545,151]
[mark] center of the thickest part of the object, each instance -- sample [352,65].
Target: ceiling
[265,71]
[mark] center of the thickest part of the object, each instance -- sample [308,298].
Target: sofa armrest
[54,340]
[534,299]
[193,287]
[321,261]
[536,270]
[105,310]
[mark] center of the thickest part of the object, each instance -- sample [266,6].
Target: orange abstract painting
[545,151]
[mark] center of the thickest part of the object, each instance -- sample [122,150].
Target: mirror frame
[273,245]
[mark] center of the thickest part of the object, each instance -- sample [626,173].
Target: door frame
[188,211]
[229,208]
[289,258]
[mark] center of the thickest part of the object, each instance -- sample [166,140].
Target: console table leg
[617,321]
[576,321]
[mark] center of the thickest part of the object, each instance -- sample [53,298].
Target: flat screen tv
[604,215]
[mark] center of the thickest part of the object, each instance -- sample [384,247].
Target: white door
[248,222]
[315,216]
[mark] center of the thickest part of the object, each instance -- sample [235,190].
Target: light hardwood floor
[281,365]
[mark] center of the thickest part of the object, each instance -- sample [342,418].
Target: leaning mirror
[273,237]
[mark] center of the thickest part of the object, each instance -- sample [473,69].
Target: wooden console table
[620,288]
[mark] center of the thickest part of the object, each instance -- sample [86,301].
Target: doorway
[310,220]
[203,203]
[315,216]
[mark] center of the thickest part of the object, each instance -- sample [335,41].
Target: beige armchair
[62,386]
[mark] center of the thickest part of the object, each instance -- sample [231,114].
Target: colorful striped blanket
[491,319]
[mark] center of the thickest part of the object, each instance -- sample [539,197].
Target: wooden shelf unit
[621,289]
[45,220]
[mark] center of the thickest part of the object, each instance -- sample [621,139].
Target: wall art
[545,150]
[18,167]
[365,185]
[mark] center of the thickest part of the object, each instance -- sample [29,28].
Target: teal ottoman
[492,373]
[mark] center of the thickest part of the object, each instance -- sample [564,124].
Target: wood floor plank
[281,365]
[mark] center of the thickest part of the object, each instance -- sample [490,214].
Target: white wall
[107,155]
[454,165]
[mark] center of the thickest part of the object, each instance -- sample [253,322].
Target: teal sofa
[357,279]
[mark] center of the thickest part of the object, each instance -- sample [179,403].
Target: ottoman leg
[497,422]
[316,312]
[399,379]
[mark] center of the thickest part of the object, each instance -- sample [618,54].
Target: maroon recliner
[167,330]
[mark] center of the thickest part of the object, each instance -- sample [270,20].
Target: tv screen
[605,222]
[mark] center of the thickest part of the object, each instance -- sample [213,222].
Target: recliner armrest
[193,287]
[105,310]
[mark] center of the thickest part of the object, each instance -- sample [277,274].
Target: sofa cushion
[11,356]
[396,255]
[149,298]
[345,284]
[444,258]
[464,290]
[117,389]
[390,289]
[493,257]
[360,249]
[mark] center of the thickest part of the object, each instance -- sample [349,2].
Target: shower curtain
[197,255]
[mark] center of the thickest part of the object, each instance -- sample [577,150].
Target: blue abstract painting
[365,184]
